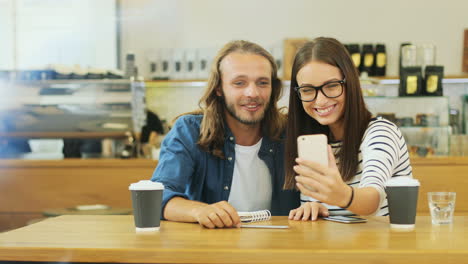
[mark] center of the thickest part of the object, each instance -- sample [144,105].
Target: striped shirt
[382,155]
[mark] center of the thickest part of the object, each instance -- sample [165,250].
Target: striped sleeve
[384,155]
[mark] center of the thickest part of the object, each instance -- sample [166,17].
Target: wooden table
[97,238]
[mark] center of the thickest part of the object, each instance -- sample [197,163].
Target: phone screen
[345,219]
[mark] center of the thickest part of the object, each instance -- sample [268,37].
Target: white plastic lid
[146,185]
[402,181]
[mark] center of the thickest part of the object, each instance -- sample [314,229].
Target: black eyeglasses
[308,93]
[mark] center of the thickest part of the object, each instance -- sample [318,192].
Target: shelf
[411,106]
[390,80]
[435,139]
[71,81]
[198,82]
[175,84]
[366,83]
[120,134]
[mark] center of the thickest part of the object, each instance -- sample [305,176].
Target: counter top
[78,163]
[17,163]
[442,160]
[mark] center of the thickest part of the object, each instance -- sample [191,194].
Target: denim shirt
[188,171]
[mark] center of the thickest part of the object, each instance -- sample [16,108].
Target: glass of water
[442,206]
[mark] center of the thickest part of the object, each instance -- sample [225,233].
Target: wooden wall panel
[40,188]
[442,178]
[28,188]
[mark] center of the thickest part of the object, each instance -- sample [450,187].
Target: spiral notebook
[255,216]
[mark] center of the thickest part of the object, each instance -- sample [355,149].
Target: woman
[364,152]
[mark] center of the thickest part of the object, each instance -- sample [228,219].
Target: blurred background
[93,79]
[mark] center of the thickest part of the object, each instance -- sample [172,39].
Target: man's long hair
[212,106]
[356,116]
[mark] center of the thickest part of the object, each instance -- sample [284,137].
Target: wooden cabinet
[442,174]
[28,187]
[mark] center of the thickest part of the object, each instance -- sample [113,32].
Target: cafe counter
[30,187]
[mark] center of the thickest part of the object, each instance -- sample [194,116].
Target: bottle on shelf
[410,81]
[433,76]
[380,62]
[355,53]
[130,66]
[402,55]
[367,59]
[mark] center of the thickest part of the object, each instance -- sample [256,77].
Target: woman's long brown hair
[356,116]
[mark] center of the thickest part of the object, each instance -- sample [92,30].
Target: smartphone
[313,148]
[345,219]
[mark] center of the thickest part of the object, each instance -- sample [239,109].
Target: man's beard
[250,122]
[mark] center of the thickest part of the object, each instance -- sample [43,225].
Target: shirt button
[226,188]
[231,138]
[229,158]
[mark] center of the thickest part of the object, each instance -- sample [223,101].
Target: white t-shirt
[251,186]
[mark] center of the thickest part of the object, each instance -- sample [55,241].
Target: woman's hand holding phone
[322,182]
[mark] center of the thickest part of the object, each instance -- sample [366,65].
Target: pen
[266,226]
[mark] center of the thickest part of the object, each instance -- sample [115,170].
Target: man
[228,157]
